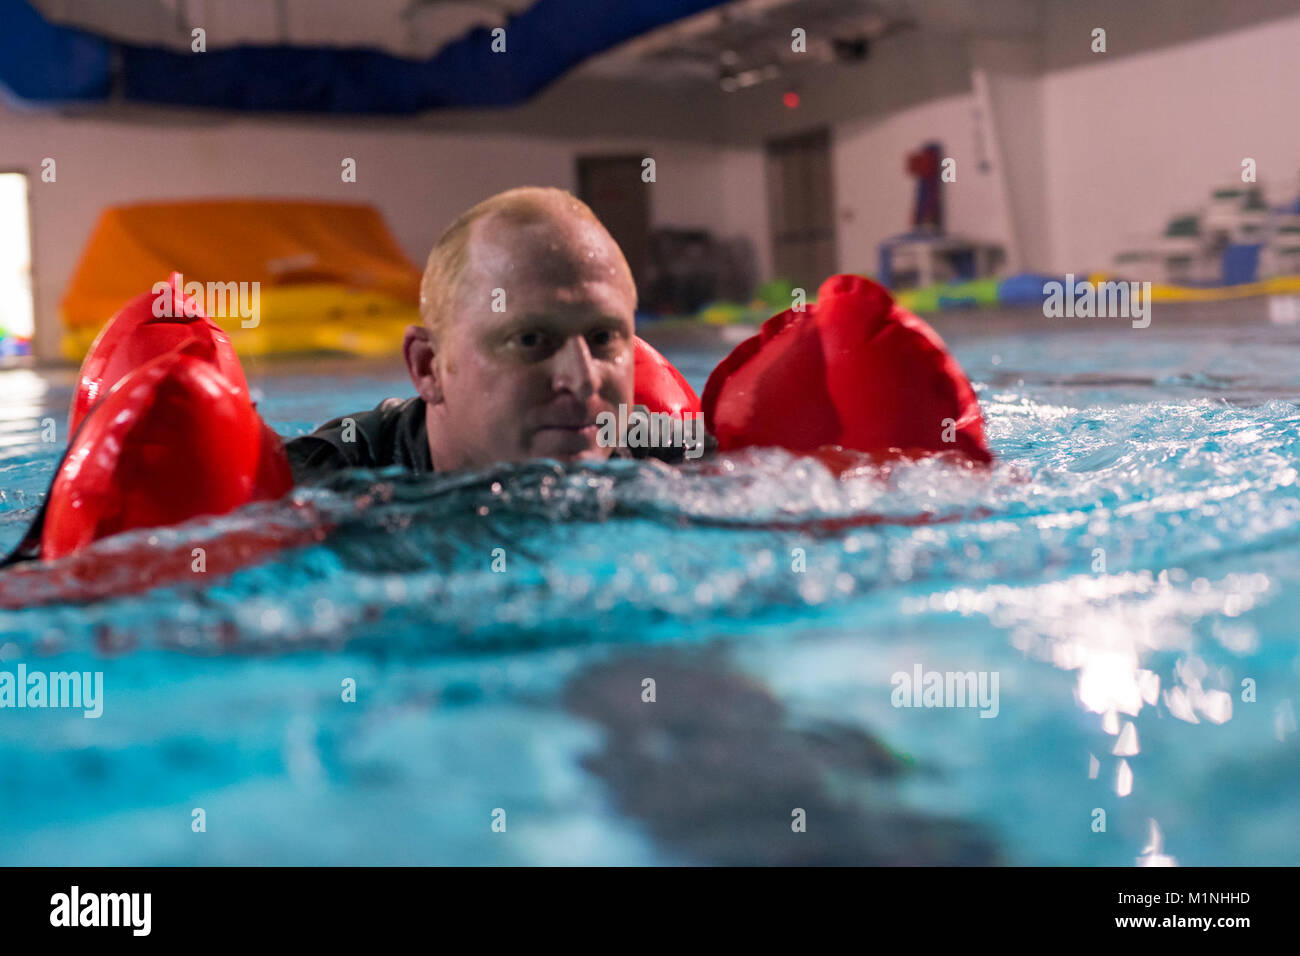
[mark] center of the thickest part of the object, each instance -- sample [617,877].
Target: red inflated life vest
[139,333]
[854,370]
[659,386]
[163,430]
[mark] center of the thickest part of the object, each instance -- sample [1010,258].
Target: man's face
[540,345]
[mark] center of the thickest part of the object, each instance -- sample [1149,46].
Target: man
[525,350]
[526,344]
[526,337]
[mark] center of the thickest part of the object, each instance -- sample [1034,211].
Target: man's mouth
[567,438]
[571,425]
[578,428]
[569,429]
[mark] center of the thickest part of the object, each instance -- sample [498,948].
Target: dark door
[612,187]
[801,205]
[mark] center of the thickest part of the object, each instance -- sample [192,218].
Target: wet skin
[528,380]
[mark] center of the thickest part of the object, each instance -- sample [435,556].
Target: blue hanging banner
[44,63]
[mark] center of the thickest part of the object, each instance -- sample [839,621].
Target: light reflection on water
[1128,568]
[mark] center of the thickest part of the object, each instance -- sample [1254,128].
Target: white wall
[1094,153]
[1133,140]
[1018,110]
[744,202]
[875,194]
[1100,150]
[722,190]
[419,179]
[1093,157]
[1011,89]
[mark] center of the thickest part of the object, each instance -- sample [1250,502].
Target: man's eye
[530,340]
[604,338]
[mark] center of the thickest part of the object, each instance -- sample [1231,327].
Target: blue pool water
[1133,558]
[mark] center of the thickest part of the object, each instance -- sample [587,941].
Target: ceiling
[747,42]
[409,28]
[740,42]
[735,39]
[651,67]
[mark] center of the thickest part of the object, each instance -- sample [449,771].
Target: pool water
[1128,573]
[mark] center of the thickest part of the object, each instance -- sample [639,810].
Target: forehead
[554,251]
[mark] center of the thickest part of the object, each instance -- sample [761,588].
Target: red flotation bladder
[855,370]
[144,328]
[172,440]
[659,386]
[164,430]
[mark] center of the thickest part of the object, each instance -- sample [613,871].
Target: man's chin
[569,444]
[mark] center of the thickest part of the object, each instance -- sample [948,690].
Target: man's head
[527,333]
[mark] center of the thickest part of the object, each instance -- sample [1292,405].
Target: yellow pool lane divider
[927,300]
[1277,285]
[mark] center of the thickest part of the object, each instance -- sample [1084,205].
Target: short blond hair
[524,205]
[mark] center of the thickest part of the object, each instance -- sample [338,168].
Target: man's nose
[574,370]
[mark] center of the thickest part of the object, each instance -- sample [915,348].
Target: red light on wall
[791,100]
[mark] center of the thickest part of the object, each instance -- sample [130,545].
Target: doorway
[17,315]
[612,187]
[801,205]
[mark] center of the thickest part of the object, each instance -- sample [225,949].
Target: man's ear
[420,349]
